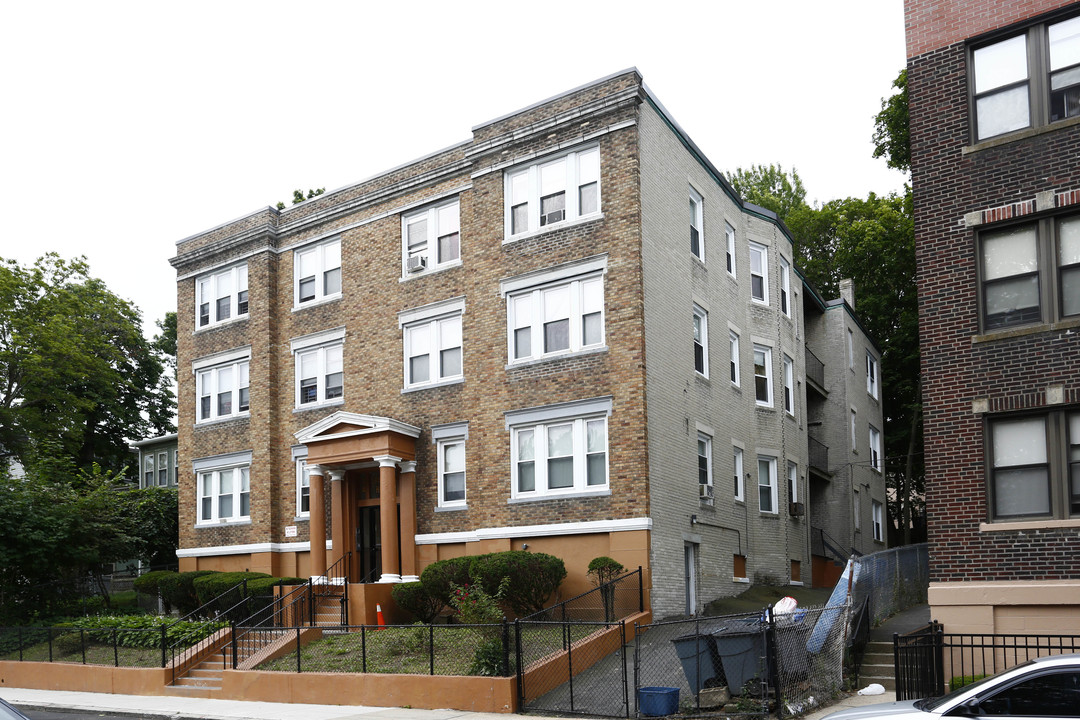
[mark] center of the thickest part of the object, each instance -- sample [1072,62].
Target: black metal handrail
[180,648]
[293,609]
[337,575]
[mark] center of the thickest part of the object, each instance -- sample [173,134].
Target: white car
[1047,687]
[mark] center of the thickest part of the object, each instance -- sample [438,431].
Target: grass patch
[756,597]
[70,648]
[961,680]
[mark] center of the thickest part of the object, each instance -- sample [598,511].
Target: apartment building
[567,334]
[994,104]
[155,460]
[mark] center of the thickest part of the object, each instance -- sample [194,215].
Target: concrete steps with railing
[877,665]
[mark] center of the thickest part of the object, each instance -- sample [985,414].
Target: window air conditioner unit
[706,491]
[796,509]
[416,263]
[553,217]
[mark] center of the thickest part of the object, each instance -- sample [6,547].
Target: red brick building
[995,135]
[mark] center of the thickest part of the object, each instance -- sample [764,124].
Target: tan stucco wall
[1048,607]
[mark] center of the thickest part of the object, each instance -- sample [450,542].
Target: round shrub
[438,576]
[604,569]
[178,591]
[414,598]
[147,583]
[217,587]
[534,577]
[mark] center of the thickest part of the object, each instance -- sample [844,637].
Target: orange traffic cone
[379,617]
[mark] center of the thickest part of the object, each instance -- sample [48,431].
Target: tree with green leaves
[78,379]
[770,187]
[892,140]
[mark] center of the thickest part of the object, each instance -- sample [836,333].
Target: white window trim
[873,375]
[163,455]
[738,455]
[239,276]
[433,235]
[878,517]
[321,269]
[764,251]
[707,439]
[768,402]
[702,314]
[570,275]
[301,472]
[789,385]
[793,481]
[441,446]
[149,468]
[697,222]
[785,287]
[856,501]
[733,348]
[317,341]
[729,232]
[854,431]
[571,211]
[213,466]
[877,462]
[772,478]
[539,419]
[211,373]
[431,315]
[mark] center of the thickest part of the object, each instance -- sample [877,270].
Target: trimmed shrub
[438,576]
[147,583]
[178,591]
[264,586]
[414,598]
[215,587]
[604,569]
[534,577]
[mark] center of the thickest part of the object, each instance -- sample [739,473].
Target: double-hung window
[739,485]
[317,273]
[854,431]
[148,470]
[224,488]
[785,287]
[697,226]
[759,273]
[320,371]
[431,238]
[704,457]
[767,485]
[872,375]
[163,469]
[733,362]
[876,462]
[729,233]
[222,385]
[789,386]
[552,191]
[763,388]
[560,449]
[432,343]
[1030,273]
[878,517]
[221,295]
[793,482]
[555,312]
[1034,466]
[303,488]
[1027,80]
[701,341]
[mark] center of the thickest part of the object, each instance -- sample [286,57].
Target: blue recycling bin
[658,701]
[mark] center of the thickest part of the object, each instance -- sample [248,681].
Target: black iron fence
[118,647]
[930,662]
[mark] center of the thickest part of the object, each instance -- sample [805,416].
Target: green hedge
[415,599]
[147,583]
[437,576]
[178,590]
[534,577]
[215,587]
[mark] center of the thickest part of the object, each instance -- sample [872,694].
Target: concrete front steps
[877,666]
[203,680]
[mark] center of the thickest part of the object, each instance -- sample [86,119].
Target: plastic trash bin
[700,663]
[658,701]
[791,640]
[741,647]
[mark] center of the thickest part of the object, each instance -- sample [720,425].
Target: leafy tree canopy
[77,377]
[770,187]
[891,138]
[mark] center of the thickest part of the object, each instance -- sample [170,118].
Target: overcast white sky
[127,126]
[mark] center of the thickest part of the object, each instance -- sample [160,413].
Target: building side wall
[934,24]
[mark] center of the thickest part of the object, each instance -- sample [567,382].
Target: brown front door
[368,544]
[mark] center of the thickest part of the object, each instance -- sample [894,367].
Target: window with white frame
[793,482]
[876,461]
[733,349]
[1033,466]
[759,273]
[555,450]
[552,191]
[451,472]
[317,272]
[856,502]
[433,351]
[221,295]
[319,368]
[785,287]
[303,488]
[148,470]
[872,376]
[163,468]
[701,341]
[729,232]
[851,349]
[767,485]
[854,431]
[789,386]
[878,517]
[697,225]
[739,485]
[431,238]
[1028,80]
[224,488]
[555,312]
[222,385]
[763,388]
[704,457]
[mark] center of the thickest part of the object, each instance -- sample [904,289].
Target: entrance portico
[370,462]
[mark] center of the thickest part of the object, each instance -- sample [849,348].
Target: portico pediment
[345,437]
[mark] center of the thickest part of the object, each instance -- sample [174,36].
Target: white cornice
[526,531]
[245,549]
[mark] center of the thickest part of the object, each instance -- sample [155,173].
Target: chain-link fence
[118,647]
[754,664]
[892,579]
[609,602]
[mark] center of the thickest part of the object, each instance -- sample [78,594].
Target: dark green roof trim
[747,207]
[839,304]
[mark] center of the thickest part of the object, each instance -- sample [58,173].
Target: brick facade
[972,377]
[648,294]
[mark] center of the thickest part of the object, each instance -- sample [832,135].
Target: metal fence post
[20,645]
[570,664]
[163,643]
[48,631]
[640,592]
[625,689]
[772,655]
[116,647]
[232,636]
[363,648]
[298,649]
[506,648]
[82,644]
[431,646]
[520,667]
